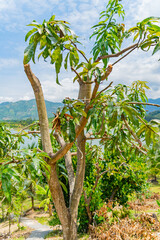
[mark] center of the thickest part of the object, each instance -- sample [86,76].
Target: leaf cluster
[109,34]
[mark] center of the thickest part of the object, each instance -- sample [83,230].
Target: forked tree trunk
[67,216]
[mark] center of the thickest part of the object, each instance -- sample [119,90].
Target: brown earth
[141,207]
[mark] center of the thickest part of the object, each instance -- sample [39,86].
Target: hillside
[25,109]
[153,108]
[22,110]
[153,115]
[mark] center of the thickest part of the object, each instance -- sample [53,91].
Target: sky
[82,15]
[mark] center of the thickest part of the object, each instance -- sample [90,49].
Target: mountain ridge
[24,109]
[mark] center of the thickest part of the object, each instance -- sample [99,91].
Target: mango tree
[58,43]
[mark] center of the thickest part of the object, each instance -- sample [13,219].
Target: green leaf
[63,28]
[113,120]
[148,137]
[65,61]
[28,53]
[36,163]
[157,48]
[82,112]
[158,202]
[6,187]
[63,186]
[72,132]
[30,33]
[58,63]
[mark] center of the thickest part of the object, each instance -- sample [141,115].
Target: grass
[20,238]
[27,204]
[155,188]
[54,233]
[58,233]
[43,220]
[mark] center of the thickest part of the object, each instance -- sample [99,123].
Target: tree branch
[125,55]
[117,54]
[79,51]
[130,130]
[80,79]
[104,89]
[144,103]
[41,107]
[139,149]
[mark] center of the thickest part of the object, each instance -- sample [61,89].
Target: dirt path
[40,230]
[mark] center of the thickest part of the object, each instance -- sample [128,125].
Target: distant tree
[93,113]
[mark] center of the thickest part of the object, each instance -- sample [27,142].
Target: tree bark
[67,216]
[68,224]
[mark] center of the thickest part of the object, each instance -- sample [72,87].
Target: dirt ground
[143,205]
[15,233]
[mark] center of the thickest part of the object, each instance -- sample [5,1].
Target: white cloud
[54,92]
[138,66]
[6,99]
[140,9]
[8,63]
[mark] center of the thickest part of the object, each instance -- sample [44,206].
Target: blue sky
[16,14]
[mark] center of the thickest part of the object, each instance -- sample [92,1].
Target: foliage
[114,115]
[153,158]
[109,34]
[54,220]
[117,180]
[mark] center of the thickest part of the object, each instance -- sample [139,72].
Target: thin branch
[121,153]
[2,200]
[80,79]
[96,86]
[108,71]
[68,162]
[125,55]
[79,51]
[116,54]
[24,128]
[104,89]
[131,131]
[144,103]
[41,107]
[147,125]
[32,132]
[12,161]
[134,145]
[73,153]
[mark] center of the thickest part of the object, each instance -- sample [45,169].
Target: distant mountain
[153,115]
[22,110]
[153,108]
[25,109]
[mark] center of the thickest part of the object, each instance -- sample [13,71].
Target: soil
[15,232]
[142,205]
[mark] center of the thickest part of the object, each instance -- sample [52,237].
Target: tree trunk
[69,227]
[67,216]
[70,233]
[32,198]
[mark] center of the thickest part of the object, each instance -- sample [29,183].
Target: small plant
[54,220]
